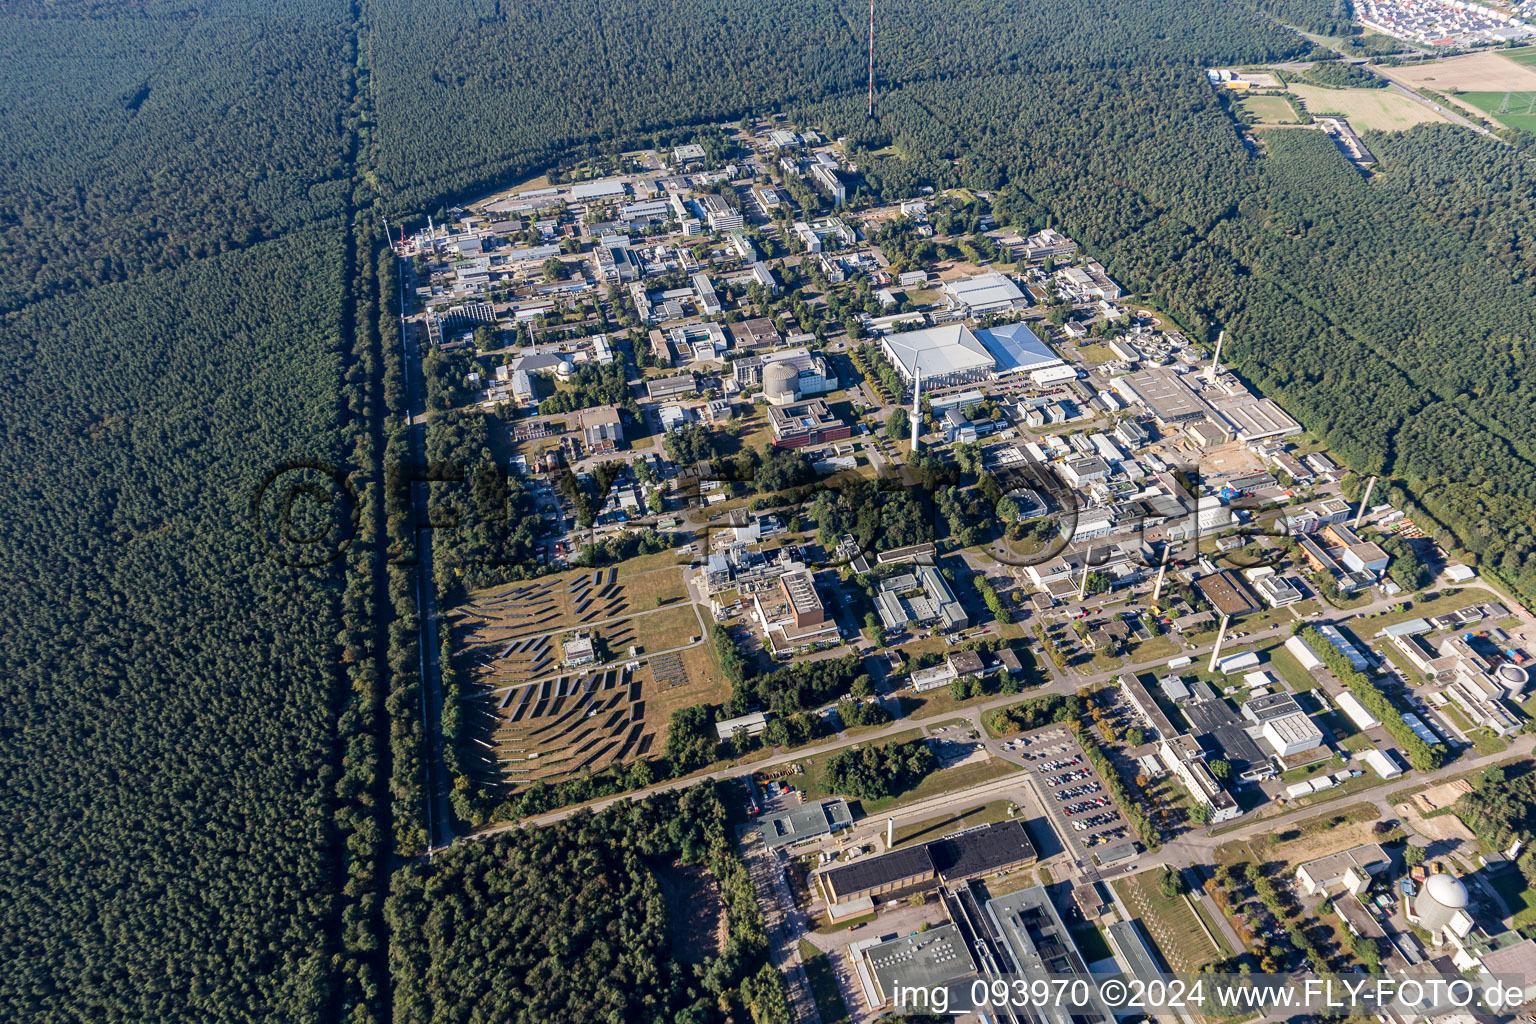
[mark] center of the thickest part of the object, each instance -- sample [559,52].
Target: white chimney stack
[917,405]
[1221,635]
[1211,377]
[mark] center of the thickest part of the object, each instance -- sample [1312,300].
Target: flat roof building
[919,962]
[983,294]
[1292,734]
[753,723]
[988,850]
[670,387]
[1039,942]
[804,423]
[872,877]
[1226,593]
[1257,420]
[590,190]
[947,355]
[1164,393]
[924,598]
[1352,868]
[601,429]
[808,821]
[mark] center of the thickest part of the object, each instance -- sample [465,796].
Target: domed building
[564,370]
[1441,905]
[781,383]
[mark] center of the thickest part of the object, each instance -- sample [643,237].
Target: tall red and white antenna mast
[871,58]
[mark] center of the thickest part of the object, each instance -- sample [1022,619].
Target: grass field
[1514,109]
[931,703]
[1095,353]
[1267,110]
[1380,109]
[932,828]
[1525,55]
[1177,930]
[818,972]
[1510,885]
[1289,669]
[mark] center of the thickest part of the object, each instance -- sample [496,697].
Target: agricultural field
[1267,110]
[1485,71]
[1379,109]
[1525,56]
[1511,109]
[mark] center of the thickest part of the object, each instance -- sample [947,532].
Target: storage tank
[1513,678]
[1442,897]
[781,383]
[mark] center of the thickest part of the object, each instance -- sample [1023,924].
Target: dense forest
[456,112]
[171,691]
[1501,810]
[193,817]
[142,135]
[571,923]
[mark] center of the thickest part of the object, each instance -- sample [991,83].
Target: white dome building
[1442,905]
[781,383]
[564,370]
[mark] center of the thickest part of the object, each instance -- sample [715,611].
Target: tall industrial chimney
[1211,376]
[1365,502]
[1221,635]
[1162,571]
[917,405]
[890,833]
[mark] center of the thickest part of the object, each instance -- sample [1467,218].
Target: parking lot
[1073,794]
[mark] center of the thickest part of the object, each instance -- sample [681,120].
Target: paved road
[1444,111]
[785,923]
[1067,684]
[439,818]
[1069,681]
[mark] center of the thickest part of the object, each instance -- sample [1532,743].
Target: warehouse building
[984,294]
[953,859]
[947,355]
[1016,349]
[662,388]
[1164,394]
[1351,706]
[1292,734]
[1257,419]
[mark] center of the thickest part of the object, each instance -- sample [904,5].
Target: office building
[804,423]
